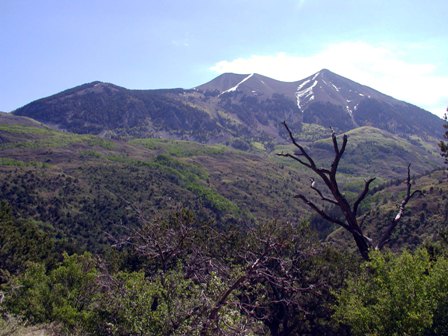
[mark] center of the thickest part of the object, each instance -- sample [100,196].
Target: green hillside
[243,250]
[88,188]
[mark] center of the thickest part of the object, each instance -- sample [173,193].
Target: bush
[63,294]
[396,295]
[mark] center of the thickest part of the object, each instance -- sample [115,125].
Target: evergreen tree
[21,241]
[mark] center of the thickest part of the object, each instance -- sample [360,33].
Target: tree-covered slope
[88,188]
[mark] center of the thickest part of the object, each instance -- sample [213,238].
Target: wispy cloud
[385,68]
[182,41]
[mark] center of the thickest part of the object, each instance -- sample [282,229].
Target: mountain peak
[328,86]
[231,105]
[99,84]
[235,87]
[326,75]
[223,82]
[251,84]
[325,72]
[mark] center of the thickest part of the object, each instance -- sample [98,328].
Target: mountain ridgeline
[231,109]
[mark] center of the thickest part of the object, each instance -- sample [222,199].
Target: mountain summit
[329,99]
[251,84]
[230,107]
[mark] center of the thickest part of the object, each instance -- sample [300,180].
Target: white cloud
[384,68]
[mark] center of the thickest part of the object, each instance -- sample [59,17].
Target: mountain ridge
[341,96]
[230,108]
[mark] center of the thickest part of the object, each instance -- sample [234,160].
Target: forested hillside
[170,237]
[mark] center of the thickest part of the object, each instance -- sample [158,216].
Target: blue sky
[395,46]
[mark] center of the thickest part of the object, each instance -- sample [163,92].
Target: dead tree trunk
[350,212]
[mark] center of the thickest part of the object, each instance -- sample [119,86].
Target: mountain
[328,99]
[250,84]
[109,110]
[232,108]
[102,108]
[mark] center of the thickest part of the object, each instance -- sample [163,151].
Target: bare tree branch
[295,158]
[322,197]
[302,150]
[386,235]
[338,151]
[350,213]
[321,212]
[362,195]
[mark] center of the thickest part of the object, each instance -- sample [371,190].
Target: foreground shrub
[397,295]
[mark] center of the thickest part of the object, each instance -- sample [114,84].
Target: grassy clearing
[180,148]
[258,146]
[48,138]
[193,178]
[312,132]
[188,175]
[18,163]
[20,129]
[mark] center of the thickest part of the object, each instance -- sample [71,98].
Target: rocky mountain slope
[332,100]
[232,108]
[328,99]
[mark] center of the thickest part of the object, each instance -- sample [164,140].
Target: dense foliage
[397,295]
[179,276]
[159,237]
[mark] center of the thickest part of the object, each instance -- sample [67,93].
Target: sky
[398,47]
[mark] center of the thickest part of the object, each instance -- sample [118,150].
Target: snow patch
[307,93]
[233,89]
[335,87]
[315,75]
[349,111]
[302,85]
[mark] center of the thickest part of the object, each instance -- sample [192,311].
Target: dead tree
[337,198]
[268,287]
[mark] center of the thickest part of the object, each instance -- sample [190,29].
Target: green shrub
[396,295]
